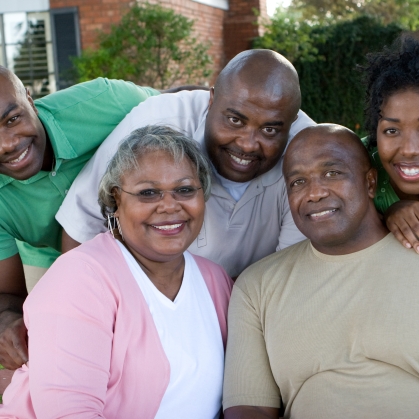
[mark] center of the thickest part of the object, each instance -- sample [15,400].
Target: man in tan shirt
[327,328]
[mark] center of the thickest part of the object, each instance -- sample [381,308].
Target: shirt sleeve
[248,379]
[8,247]
[70,341]
[80,212]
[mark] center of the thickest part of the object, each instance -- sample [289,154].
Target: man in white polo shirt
[244,125]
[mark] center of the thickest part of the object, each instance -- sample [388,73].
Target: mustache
[241,154]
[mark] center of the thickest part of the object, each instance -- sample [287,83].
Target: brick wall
[94,16]
[228,31]
[99,15]
[240,25]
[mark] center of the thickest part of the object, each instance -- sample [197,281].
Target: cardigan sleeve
[70,316]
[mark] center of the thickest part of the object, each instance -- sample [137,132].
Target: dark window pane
[65,46]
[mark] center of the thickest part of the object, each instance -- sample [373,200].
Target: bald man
[244,124]
[328,327]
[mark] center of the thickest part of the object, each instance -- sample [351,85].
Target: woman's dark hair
[395,69]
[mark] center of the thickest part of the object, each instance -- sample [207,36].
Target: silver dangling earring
[119,227]
[113,223]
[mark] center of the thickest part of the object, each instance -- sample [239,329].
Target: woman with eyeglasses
[392,121]
[129,324]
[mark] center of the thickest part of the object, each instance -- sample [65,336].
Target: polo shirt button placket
[53,173]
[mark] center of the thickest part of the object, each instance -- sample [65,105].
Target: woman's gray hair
[145,140]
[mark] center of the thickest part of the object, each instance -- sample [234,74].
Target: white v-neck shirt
[190,334]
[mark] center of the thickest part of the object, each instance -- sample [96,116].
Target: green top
[77,120]
[385,196]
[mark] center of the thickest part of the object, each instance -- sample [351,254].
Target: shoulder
[87,275]
[302,121]
[87,91]
[272,268]
[98,256]
[195,101]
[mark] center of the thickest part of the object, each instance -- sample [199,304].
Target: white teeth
[413,171]
[168,227]
[21,157]
[320,214]
[240,161]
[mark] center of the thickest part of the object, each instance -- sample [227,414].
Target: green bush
[326,61]
[151,46]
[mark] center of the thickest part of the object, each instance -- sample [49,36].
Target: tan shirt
[330,336]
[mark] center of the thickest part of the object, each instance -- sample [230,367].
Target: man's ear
[30,100]
[371,178]
[211,100]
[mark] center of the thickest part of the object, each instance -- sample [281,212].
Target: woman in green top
[392,121]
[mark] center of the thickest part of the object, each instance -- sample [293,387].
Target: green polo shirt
[77,120]
[385,196]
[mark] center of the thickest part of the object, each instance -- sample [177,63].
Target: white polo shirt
[235,234]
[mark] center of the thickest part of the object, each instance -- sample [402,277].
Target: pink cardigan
[93,348]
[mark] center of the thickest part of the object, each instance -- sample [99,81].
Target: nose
[248,141]
[410,144]
[8,143]
[317,190]
[168,204]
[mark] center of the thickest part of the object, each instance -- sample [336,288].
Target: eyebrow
[240,115]
[385,118]
[270,123]
[155,183]
[324,164]
[10,108]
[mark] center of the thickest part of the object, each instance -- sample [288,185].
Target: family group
[127,213]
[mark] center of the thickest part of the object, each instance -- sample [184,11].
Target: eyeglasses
[183,193]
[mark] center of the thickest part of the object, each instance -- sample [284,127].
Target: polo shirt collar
[60,144]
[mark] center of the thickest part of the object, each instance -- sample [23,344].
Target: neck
[166,276]
[366,235]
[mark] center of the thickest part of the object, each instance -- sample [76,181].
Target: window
[65,28]
[27,50]
[221,4]
[37,47]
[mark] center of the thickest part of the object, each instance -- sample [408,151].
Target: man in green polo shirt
[43,146]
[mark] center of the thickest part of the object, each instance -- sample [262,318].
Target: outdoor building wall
[94,16]
[241,25]
[99,15]
[208,26]
[229,31]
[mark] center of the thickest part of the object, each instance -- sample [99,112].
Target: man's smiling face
[330,188]
[22,136]
[246,130]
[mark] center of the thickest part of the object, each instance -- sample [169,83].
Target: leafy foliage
[385,11]
[151,46]
[331,86]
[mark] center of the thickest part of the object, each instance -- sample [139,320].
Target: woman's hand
[402,219]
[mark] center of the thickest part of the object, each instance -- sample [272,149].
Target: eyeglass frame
[161,194]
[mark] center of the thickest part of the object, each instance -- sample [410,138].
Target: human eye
[13,119]
[148,193]
[390,131]
[186,190]
[297,182]
[332,173]
[235,121]
[270,131]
